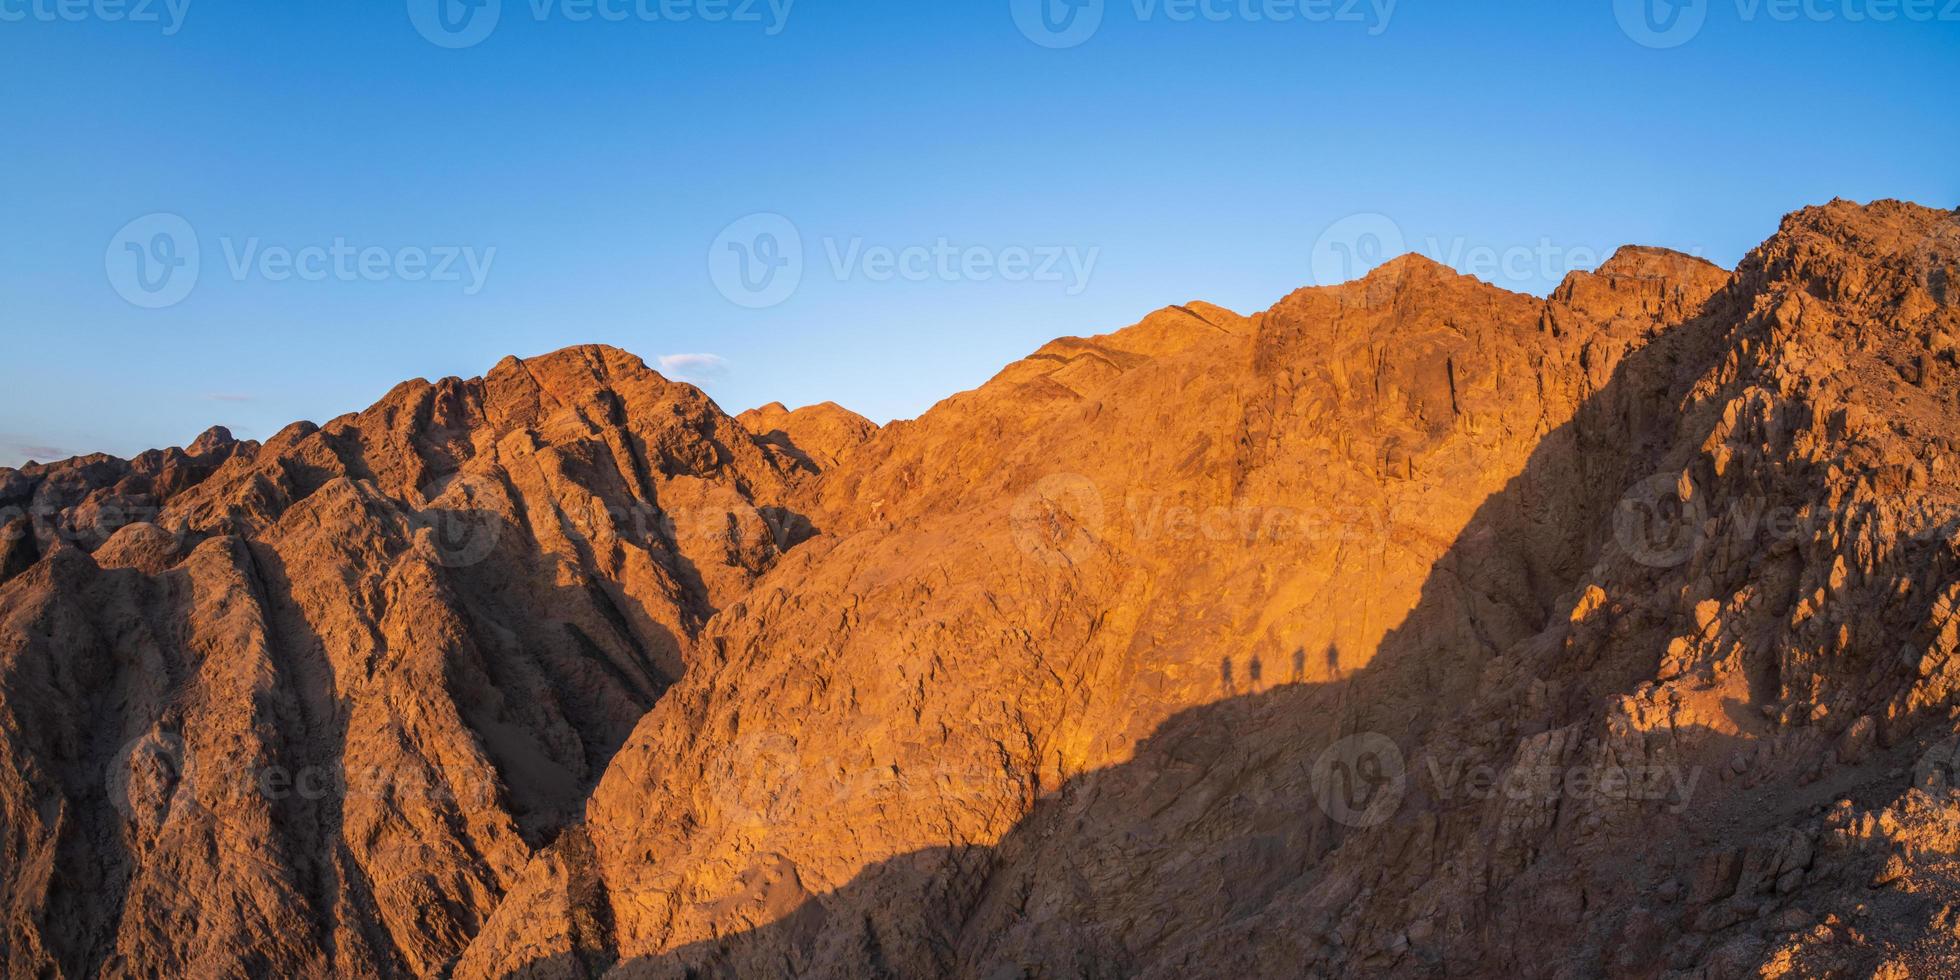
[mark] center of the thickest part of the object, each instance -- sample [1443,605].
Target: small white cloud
[693,368]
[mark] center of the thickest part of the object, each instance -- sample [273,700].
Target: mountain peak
[211,440]
[813,437]
[663,691]
[1411,265]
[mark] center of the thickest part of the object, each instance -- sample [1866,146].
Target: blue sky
[369,205]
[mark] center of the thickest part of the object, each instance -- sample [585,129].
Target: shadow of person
[1214,844]
[1142,828]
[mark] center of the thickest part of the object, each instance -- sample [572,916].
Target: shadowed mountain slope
[1409,628]
[312,712]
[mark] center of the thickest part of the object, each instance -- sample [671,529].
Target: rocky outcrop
[312,710]
[1409,628]
[813,438]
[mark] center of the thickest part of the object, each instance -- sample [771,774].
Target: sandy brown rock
[313,713]
[1123,718]
[1409,628]
[815,436]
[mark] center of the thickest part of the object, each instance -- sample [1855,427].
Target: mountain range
[1409,628]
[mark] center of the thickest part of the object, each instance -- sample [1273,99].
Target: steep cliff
[1409,628]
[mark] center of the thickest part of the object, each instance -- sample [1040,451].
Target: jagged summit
[1411,627]
[1411,267]
[210,440]
[814,437]
[1639,261]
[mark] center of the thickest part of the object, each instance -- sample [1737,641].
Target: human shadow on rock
[1248,836]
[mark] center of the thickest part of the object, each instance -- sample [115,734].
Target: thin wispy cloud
[694,368]
[20,450]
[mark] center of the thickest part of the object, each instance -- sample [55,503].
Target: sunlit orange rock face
[1410,628]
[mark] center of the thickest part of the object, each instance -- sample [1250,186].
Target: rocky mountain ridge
[1409,628]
